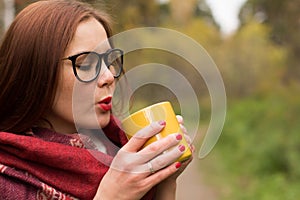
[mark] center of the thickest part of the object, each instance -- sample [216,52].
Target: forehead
[90,35]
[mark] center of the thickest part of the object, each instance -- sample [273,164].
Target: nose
[106,77]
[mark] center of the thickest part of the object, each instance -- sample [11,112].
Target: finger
[138,140]
[187,139]
[137,163]
[167,157]
[184,165]
[159,176]
[157,147]
[192,148]
[180,119]
[183,129]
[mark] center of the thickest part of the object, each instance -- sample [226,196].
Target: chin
[97,121]
[104,120]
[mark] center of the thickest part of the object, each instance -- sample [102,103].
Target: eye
[114,58]
[86,62]
[84,66]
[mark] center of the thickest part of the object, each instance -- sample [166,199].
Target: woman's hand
[167,188]
[131,174]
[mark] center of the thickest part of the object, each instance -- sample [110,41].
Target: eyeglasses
[87,65]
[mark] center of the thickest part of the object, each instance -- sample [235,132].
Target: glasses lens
[114,61]
[87,66]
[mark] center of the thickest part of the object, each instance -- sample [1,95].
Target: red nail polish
[181,148]
[178,164]
[178,137]
[162,123]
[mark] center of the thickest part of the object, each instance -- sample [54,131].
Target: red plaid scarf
[48,165]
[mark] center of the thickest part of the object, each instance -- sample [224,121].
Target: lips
[105,104]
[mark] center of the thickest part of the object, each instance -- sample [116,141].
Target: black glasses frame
[103,56]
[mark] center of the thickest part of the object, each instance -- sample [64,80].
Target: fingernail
[178,137]
[178,164]
[181,148]
[162,123]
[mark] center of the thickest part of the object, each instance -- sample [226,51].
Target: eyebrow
[96,50]
[67,57]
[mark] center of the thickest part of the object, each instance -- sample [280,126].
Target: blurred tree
[183,11]
[9,12]
[20,4]
[251,64]
[9,8]
[133,13]
[284,19]
[1,17]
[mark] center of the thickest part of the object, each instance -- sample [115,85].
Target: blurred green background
[258,153]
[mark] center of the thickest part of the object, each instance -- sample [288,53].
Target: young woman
[43,56]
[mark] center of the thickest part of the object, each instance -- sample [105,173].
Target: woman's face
[79,104]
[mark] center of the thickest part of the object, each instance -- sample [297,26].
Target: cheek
[63,100]
[75,103]
[82,104]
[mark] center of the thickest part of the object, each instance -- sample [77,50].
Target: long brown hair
[30,56]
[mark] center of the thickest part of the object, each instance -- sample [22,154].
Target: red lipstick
[105,104]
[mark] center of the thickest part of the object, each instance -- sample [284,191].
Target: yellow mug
[156,112]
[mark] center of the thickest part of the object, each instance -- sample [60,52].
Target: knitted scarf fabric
[43,164]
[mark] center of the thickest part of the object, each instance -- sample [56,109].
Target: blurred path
[191,185]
